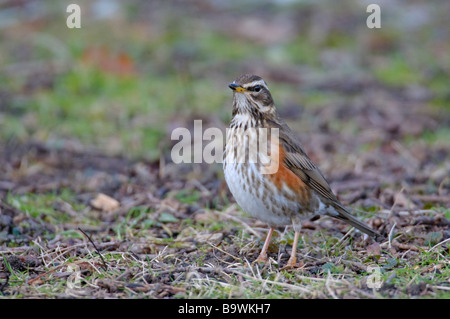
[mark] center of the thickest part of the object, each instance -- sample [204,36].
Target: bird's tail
[344,215]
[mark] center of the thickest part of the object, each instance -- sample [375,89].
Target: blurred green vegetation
[173,61]
[137,69]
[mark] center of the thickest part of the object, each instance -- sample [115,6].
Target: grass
[332,267]
[186,244]
[396,71]
[436,137]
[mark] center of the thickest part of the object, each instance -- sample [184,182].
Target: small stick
[33,280]
[3,285]
[391,233]
[437,245]
[105,266]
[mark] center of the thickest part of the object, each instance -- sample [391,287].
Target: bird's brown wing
[296,160]
[301,165]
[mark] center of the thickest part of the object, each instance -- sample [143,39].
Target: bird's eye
[257,88]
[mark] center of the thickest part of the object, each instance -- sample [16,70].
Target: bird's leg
[292,262]
[263,255]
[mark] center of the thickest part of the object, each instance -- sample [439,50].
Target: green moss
[396,71]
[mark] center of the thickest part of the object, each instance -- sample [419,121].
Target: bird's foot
[262,258]
[292,264]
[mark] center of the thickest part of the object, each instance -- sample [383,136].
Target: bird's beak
[236,88]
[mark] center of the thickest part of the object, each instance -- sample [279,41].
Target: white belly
[260,202]
[253,191]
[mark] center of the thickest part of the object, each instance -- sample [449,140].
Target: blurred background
[86,117]
[374,102]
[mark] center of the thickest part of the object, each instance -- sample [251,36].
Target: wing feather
[301,165]
[296,160]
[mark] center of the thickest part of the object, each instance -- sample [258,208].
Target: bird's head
[250,94]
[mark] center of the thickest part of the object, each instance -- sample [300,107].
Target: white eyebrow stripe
[258,82]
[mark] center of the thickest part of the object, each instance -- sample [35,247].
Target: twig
[234,218]
[265,281]
[33,280]
[105,266]
[327,285]
[347,234]
[3,285]
[437,245]
[390,235]
[403,246]
[441,185]
[225,252]
[432,198]
[431,221]
[355,264]
[396,199]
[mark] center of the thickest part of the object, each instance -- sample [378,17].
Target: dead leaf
[374,249]
[105,203]
[401,200]
[117,63]
[210,238]
[204,216]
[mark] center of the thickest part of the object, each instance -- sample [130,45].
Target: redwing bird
[289,190]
